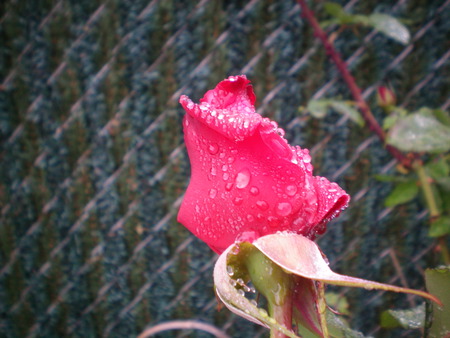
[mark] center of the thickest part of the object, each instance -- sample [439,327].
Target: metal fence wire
[93,165]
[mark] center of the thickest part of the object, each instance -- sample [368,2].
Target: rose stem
[351,83]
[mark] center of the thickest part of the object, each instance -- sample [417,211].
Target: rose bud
[385,97]
[246,180]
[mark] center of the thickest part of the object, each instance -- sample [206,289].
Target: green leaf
[389,121]
[444,183]
[438,169]
[440,227]
[402,193]
[347,109]
[408,319]
[391,27]
[318,108]
[391,178]
[420,133]
[339,329]
[338,302]
[442,116]
[437,282]
[333,9]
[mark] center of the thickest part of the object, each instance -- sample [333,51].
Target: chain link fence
[93,165]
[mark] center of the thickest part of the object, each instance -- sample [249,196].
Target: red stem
[351,83]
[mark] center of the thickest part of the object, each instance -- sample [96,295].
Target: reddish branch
[351,83]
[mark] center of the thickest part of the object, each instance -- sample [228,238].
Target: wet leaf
[402,193]
[318,108]
[440,227]
[420,132]
[438,281]
[338,328]
[408,319]
[347,109]
[391,27]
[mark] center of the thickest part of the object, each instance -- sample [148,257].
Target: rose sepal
[305,268]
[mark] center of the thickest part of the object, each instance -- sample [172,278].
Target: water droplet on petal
[262,205]
[243,179]
[224,167]
[284,208]
[213,148]
[213,193]
[254,191]
[291,190]
[230,160]
[230,270]
[238,200]
[273,221]
[225,177]
[228,186]
[250,218]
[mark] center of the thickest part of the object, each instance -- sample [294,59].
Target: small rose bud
[385,97]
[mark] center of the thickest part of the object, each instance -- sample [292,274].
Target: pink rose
[246,180]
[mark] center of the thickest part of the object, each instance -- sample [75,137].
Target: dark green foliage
[92,161]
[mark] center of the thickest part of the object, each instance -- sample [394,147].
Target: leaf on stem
[390,26]
[408,319]
[319,109]
[420,132]
[402,193]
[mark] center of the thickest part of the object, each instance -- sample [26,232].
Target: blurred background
[93,165]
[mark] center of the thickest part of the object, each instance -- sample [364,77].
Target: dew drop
[291,190]
[213,171]
[238,201]
[233,282]
[262,205]
[225,177]
[243,179]
[224,167]
[190,105]
[306,157]
[253,302]
[254,191]
[212,193]
[213,148]
[230,159]
[284,208]
[230,270]
[228,186]
[241,292]
[250,218]
[273,221]
[240,281]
